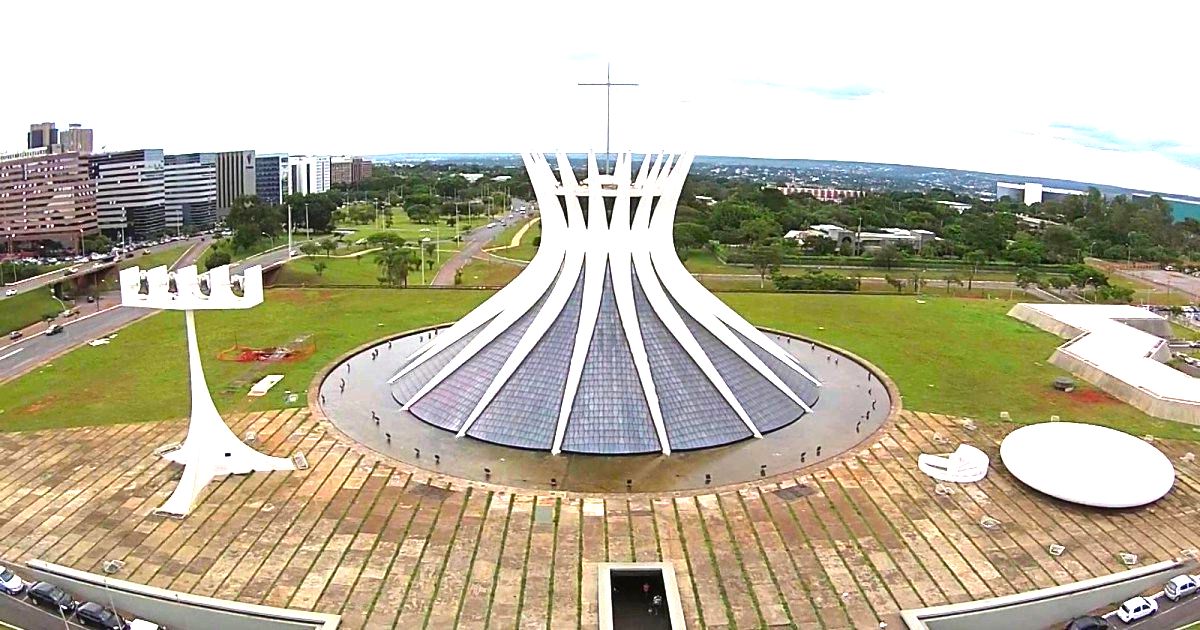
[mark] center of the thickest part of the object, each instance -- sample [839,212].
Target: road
[1170,615]
[21,613]
[475,241]
[17,358]
[30,284]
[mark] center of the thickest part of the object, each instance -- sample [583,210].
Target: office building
[348,171]
[272,179]
[309,174]
[190,191]
[76,139]
[235,178]
[1030,193]
[130,196]
[41,135]
[45,196]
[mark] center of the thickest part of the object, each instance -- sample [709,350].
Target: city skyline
[1033,90]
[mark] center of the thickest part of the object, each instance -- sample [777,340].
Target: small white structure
[1087,464]
[211,449]
[966,464]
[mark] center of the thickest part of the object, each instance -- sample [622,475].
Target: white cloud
[965,85]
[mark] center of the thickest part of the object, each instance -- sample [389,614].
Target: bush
[815,281]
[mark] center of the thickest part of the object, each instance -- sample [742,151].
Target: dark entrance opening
[634,603]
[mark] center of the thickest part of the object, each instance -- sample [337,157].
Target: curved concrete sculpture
[966,464]
[1087,464]
[211,449]
[605,343]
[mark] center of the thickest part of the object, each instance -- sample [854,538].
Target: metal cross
[608,85]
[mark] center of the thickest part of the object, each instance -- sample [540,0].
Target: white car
[10,582]
[1180,586]
[1137,608]
[10,292]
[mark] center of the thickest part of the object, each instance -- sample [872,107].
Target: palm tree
[394,263]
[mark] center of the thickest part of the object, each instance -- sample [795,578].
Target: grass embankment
[142,374]
[27,308]
[486,273]
[954,356]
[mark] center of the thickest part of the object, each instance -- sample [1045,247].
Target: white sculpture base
[211,449]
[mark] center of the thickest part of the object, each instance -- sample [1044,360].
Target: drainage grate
[791,493]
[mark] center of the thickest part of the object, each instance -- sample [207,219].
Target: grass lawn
[402,226]
[142,374]
[483,273]
[351,271]
[27,308]
[526,249]
[954,356]
[156,259]
[705,262]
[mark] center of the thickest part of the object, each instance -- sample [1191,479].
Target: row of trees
[1078,226]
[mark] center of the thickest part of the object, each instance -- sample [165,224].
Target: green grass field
[483,273]
[402,226]
[954,356]
[351,271]
[27,308]
[142,374]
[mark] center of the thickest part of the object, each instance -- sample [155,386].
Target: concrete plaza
[845,544]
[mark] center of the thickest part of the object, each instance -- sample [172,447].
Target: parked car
[1090,622]
[1137,608]
[97,616]
[10,292]
[71,270]
[54,329]
[10,582]
[51,596]
[1180,586]
[14,335]
[142,624]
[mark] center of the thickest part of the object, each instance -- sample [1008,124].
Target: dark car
[51,596]
[1090,622]
[97,616]
[55,329]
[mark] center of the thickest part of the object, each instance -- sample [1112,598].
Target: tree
[917,282]
[974,258]
[327,245]
[759,230]
[897,283]
[1059,282]
[821,245]
[766,260]
[385,239]
[97,243]
[249,219]
[1024,250]
[952,279]
[216,258]
[430,249]
[319,266]
[421,213]
[309,248]
[887,256]
[1026,277]
[1084,276]
[1061,244]
[690,236]
[394,263]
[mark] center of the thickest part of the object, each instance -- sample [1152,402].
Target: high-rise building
[235,178]
[190,187]
[41,135]
[272,178]
[309,173]
[347,171]
[77,139]
[130,195]
[45,196]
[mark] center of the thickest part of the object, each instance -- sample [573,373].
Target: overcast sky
[1100,92]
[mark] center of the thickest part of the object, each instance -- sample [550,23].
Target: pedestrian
[322,399]
[656,604]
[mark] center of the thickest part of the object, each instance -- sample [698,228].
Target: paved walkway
[387,546]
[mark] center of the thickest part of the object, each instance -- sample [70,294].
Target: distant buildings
[348,171]
[41,135]
[272,178]
[45,196]
[130,197]
[956,206]
[856,241]
[822,194]
[190,191]
[235,178]
[309,174]
[76,139]
[1030,193]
